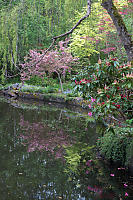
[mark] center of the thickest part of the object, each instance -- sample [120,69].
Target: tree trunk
[60,82]
[120,27]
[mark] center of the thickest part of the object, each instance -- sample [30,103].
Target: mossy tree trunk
[120,27]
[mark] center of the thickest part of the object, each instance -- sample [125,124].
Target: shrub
[115,146]
[109,83]
[39,63]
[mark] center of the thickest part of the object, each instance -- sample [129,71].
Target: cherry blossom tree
[55,61]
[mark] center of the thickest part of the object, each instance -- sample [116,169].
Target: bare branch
[79,22]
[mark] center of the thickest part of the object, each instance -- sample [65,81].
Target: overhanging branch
[79,22]
[65,34]
[69,32]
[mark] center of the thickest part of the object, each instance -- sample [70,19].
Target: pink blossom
[95,189]
[121,168]
[93,100]
[101,28]
[89,105]
[90,114]
[108,50]
[112,175]
[87,172]
[126,194]
[88,162]
[58,61]
[125,185]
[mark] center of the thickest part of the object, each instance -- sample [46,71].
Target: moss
[119,18]
[120,26]
[111,8]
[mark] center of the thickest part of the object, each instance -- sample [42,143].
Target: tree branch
[65,34]
[69,32]
[79,22]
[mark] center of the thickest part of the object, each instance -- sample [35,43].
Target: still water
[47,152]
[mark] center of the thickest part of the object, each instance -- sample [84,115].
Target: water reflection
[45,154]
[41,136]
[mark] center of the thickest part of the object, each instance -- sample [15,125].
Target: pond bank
[15,91]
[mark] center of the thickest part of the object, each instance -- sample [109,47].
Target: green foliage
[38,89]
[1,87]
[129,153]
[83,42]
[76,154]
[109,84]
[37,81]
[115,146]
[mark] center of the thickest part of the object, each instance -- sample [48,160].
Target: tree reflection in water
[39,136]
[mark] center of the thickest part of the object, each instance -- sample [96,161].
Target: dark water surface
[45,154]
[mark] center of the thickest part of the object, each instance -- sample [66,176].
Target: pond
[48,152]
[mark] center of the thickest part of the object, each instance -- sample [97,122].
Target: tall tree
[120,27]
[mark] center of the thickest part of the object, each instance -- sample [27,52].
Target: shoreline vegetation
[38,93]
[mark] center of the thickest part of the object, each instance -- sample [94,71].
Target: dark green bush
[116,146]
[129,154]
[35,80]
